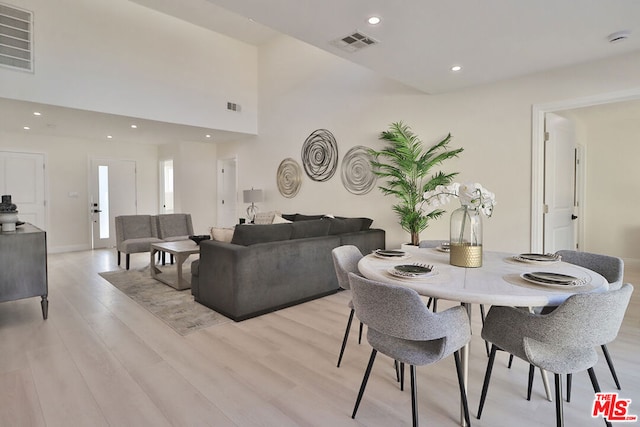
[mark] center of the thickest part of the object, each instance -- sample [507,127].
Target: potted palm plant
[408,172]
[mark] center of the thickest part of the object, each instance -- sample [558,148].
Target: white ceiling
[419,41]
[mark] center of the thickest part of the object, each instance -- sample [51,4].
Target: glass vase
[466,238]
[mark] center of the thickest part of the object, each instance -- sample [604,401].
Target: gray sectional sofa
[268,267]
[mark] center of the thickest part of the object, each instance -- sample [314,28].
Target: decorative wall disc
[289,177]
[320,155]
[357,172]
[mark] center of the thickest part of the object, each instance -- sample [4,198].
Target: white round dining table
[498,281]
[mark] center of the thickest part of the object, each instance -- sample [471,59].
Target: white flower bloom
[473,195]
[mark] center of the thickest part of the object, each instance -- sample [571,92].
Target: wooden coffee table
[180,250]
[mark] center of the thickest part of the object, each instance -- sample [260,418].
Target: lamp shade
[252,196]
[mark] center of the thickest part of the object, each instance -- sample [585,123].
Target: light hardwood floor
[102,360]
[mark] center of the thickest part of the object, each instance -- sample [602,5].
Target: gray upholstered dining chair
[345,261]
[174,227]
[435,244]
[400,326]
[135,234]
[562,341]
[612,269]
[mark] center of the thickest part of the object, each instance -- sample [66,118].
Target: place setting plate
[554,280]
[412,271]
[395,254]
[533,258]
[444,247]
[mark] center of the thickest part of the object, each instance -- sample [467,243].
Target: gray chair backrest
[172,225]
[399,311]
[432,243]
[612,268]
[135,227]
[588,319]
[345,261]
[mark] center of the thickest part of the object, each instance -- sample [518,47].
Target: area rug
[175,308]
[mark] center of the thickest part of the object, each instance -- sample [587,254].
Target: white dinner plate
[411,271]
[537,258]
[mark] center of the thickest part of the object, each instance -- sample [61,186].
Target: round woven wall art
[357,172]
[289,177]
[320,155]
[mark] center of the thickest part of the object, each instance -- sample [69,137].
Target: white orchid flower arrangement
[472,195]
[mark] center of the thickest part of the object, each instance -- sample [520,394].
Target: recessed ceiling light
[26,128]
[134,126]
[109,137]
[456,68]
[374,20]
[36,113]
[207,136]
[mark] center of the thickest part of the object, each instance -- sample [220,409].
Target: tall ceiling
[418,41]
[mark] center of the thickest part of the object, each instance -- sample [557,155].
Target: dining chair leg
[364,381]
[118,257]
[559,414]
[429,301]
[435,305]
[532,370]
[487,377]
[360,333]
[596,387]
[569,378]
[510,361]
[346,336]
[401,376]
[605,350]
[397,366]
[463,391]
[127,260]
[414,395]
[482,316]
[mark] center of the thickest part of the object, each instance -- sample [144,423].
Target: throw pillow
[221,234]
[280,220]
[265,217]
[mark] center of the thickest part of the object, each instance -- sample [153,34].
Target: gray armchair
[400,326]
[562,342]
[174,227]
[345,261]
[135,234]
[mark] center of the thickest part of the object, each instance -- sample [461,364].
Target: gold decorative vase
[466,238]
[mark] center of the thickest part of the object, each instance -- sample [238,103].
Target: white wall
[303,89]
[119,57]
[67,171]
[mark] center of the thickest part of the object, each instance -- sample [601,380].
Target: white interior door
[113,193]
[560,183]
[227,191]
[22,177]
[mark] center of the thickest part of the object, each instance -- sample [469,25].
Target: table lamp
[252,196]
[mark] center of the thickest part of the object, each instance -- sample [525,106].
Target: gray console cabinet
[23,265]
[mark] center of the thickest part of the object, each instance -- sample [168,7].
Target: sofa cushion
[311,228]
[301,217]
[289,217]
[247,234]
[345,225]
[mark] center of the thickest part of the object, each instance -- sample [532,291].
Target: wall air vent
[354,42]
[232,106]
[16,42]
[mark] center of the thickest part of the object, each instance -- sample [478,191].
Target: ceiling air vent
[354,42]
[15,38]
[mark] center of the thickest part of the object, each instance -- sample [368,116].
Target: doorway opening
[538,153]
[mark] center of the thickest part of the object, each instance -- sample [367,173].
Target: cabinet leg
[45,307]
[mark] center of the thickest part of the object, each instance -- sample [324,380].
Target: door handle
[97,211]
[573,217]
